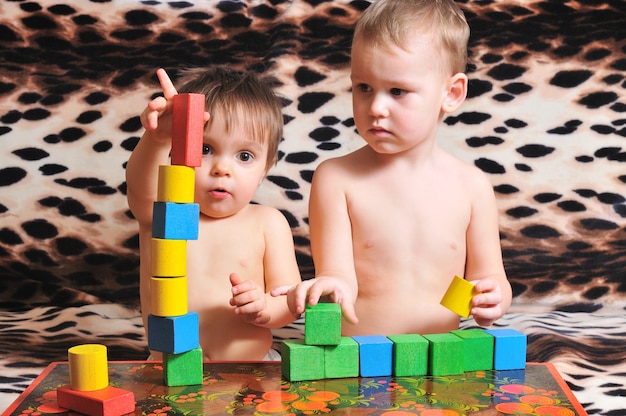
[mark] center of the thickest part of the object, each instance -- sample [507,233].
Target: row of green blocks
[324,353]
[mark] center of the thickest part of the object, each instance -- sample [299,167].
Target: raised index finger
[167,86]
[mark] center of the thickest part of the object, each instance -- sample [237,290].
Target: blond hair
[241,99]
[388,23]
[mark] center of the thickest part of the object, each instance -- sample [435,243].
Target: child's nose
[220,167]
[378,106]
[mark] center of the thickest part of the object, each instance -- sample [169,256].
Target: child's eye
[245,156]
[206,149]
[364,88]
[397,91]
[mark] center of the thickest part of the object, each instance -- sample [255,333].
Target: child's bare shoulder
[468,174]
[345,164]
[266,215]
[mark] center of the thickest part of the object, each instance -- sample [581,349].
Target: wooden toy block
[301,362]
[445,354]
[342,360]
[174,221]
[168,258]
[183,369]
[509,349]
[375,355]
[89,367]
[109,401]
[173,334]
[322,324]
[410,355]
[187,129]
[478,349]
[458,297]
[176,184]
[168,296]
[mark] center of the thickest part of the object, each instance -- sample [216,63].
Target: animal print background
[545,119]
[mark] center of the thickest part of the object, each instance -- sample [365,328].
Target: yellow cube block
[168,258]
[176,183]
[458,297]
[168,296]
[89,367]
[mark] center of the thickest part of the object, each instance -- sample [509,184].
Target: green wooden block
[445,354]
[342,361]
[183,369]
[322,324]
[478,349]
[410,355]
[300,361]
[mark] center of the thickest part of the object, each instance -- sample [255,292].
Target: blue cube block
[375,355]
[173,334]
[509,349]
[174,221]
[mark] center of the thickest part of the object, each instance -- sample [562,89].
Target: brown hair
[240,98]
[392,22]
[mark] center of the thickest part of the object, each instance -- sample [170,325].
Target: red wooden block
[109,401]
[187,129]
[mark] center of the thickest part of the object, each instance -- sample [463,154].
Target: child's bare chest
[218,252]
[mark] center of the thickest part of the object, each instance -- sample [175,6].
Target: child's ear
[457,91]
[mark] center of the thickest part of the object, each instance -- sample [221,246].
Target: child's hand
[311,290]
[156,118]
[487,302]
[248,300]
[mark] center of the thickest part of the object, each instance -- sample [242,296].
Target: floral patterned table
[257,389]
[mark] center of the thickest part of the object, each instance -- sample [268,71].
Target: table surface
[258,388]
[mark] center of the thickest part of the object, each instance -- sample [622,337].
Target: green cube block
[410,355]
[183,369]
[342,361]
[300,361]
[445,354]
[322,324]
[478,349]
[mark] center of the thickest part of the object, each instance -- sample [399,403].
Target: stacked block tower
[172,328]
[89,391]
[324,353]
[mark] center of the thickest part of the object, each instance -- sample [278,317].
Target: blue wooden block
[173,334]
[509,349]
[175,221]
[375,355]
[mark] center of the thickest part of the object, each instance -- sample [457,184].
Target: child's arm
[331,246]
[151,151]
[255,304]
[484,265]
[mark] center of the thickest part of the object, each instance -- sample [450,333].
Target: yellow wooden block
[89,368]
[458,297]
[168,258]
[176,184]
[168,296]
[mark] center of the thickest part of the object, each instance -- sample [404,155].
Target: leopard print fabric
[544,119]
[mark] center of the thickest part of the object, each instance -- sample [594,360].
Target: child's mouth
[219,193]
